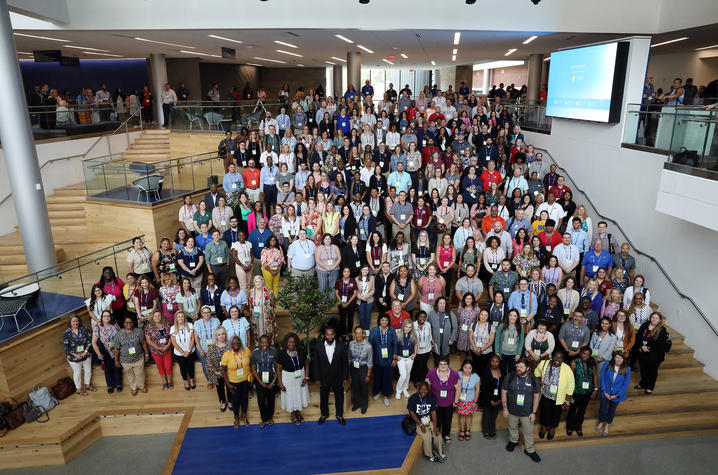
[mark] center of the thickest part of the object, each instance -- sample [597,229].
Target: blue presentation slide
[580,82]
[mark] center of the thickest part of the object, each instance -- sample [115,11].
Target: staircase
[152,146]
[184,144]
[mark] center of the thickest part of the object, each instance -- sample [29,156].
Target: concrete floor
[689,455]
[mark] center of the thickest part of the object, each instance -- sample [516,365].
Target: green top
[469,257]
[216,253]
[245,212]
[202,218]
[583,374]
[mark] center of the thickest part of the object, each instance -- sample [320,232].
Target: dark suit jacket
[336,371]
[211,202]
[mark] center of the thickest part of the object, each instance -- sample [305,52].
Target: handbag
[686,157]
[63,388]
[41,397]
[16,417]
[408,425]
[34,412]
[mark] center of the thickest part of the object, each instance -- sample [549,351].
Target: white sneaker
[398,396]
[386,402]
[406,394]
[377,396]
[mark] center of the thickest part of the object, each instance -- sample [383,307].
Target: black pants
[186,364]
[448,275]
[270,198]
[113,374]
[488,419]
[166,112]
[508,364]
[360,389]
[220,274]
[479,362]
[223,391]
[240,397]
[265,401]
[649,370]
[420,367]
[444,414]
[338,389]
[550,412]
[577,411]
[346,316]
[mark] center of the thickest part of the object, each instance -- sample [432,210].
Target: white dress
[296,397]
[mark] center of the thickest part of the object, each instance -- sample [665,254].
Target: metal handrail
[638,251]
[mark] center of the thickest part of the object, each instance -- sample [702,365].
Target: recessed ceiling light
[42,37]
[300,65]
[286,44]
[329,62]
[344,38]
[433,63]
[270,60]
[289,53]
[510,51]
[365,49]
[339,59]
[102,54]
[497,64]
[200,54]
[548,59]
[387,61]
[86,48]
[163,43]
[669,42]
[404,56]
[457,37]
[254,64]
[225,39]
[455,50]
[530,39]
[23,52]
[707,47]
[453,58]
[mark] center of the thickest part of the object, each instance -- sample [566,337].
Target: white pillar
[534,85]
[337,86]
[485,82]
[158,69]
[20,156]
[353,69]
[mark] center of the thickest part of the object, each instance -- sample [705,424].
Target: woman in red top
[112,285]
[346,291]
[446,259]
[423,218]
[375,256]
[146,98]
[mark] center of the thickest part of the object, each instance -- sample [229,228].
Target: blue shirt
[259,240]
[579,239]
[343,123]
[594,262]
[283,122]
[518,224]
[298,252]
[202,241]
[529,303]
[401,181]
[379,341]
[397,159]
[238,328]
[268,176]
[367,90]
[232,182]
[227,301]
[205,331]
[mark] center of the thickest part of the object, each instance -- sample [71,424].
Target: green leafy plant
[306,305]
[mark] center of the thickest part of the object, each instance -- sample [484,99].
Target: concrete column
[353,70]
[158,70]
[485,83]
[337,86]
[447,77]
[534,85]
[20,156]
[544,74]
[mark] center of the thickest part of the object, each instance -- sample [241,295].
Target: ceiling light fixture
[300,65]
[270,60]
[163,43]
[510,51]
[506,63]
[547,59]
[200,54]
[286,44]
[365,49]
[41,37]
[225,39]
[670,41]
[363,2]
[470,2]
[455,50]
[453,58]
[289,53]
[404,56]
[254,64]
[530,39]
[339,59]
[433,63]
[457,37]
[706,47]
[329,62]
[344,38]
[102,54]
[86,48]
[387,61]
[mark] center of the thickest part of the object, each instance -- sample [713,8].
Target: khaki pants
[427,439]
[566,276]
[299,273]
[135,373]
[395,228]
[527,428]
[244,278]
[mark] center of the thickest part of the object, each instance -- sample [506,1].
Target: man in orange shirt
[487,224]
[251,181]
[397,315]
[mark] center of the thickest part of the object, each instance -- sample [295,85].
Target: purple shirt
[437,387]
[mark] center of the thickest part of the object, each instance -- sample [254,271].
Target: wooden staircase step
[77,213]
[68,221]
[69,228]
[73,199]
[66,206]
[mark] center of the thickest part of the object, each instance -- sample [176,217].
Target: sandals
[461,435]
[91,388]
[467,435]
[81,392]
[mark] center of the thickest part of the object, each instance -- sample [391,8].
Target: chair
[141,169]
[192,118]
[11,307]
[148,184]
[213,119]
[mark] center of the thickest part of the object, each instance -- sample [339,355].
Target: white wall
[623,184]
[60,173]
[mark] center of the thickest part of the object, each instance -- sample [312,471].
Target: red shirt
[426,154]
[396,321]
[436,116]
[115,288]
[422,214]
[346,289]
[487,223]
[249,175]
[487,178]
[550,242]
[558,192]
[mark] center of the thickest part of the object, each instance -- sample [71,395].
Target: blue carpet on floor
[129,193]
[45,308]
[371,443]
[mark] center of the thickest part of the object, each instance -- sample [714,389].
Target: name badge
[464,327]
[566,311]
[265,377]
[192,265]
[223,223]
[131,350]
[130,304]
[143,309]
[307,255]
[425,420]
[144,268]
[574,344]
[506,290]
[209,342]
[212,309]
[298,374]
[377,262]
[80,349]
[401,261]
[172,266]
[385,352]
[257,310]
[358,264]
[240,373]
[260,244]
[402,217]
[443,393]
[419,220]
[585,385]
[170,307]
[163,341]
[423,143]
[511,341]
[523,313]
[548,248]
[344,299]
[405,353]
[595,268]
[381,164]
[219,260]
[496,391]
[254,182]
[520,399]
[234,186]
[400,296]
[329,262]
[462,397]
[430,297]
[441,330]
[553,389]
[356,364]
[254,151]
[362,231]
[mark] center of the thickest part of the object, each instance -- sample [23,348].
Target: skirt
[465,408]
[296,397]
[549,413]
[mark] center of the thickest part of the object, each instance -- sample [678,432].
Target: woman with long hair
[615,378]
[509,341]
[653,344]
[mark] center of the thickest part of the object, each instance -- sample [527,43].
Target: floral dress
[169,301]
[272,258]
[467,319]
[312,220]
[524,264]
[262,321]
[275,225]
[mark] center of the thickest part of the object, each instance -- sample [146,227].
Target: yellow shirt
[238,368]
[538,226]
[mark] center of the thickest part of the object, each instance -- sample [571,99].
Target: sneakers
[377,396]
[386,402]
[406,394]
[398,396]
[533,456]
[511,446]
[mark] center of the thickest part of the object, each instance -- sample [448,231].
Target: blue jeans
[607,410]
[202,360]
[365,314]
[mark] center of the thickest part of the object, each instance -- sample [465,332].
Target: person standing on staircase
[268,183]
[169,98]
[520,393]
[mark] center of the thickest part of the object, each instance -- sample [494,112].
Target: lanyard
[143,299]
[444,385]
[241,363]
[127,338]
[210,296]
[383,337]
[296,364]
[143,257]
[207,326]
[376,253]
[265,365]
[345,288]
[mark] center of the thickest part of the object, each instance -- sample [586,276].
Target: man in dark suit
[331,367]
[212,197]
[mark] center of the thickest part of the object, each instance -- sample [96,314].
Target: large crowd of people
[431,219]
